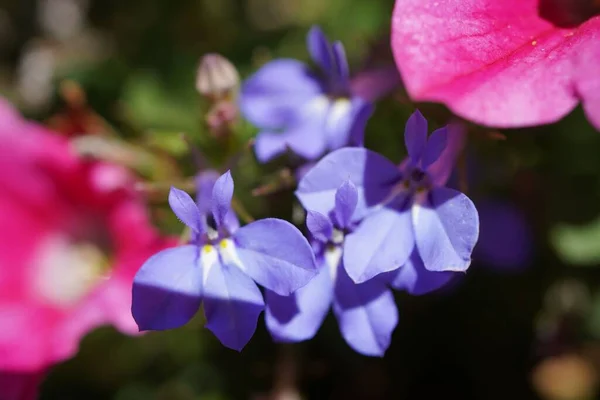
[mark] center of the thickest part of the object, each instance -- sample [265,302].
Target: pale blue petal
[346,121]
[346,199]
[446,230]
[319,226]
[415,136]
[415,279]
[276,255]
[232,304]
[221,198]
[275,95]
[167,289]
[306,137]
[366,313]
[298,317]
[185,209]
[372,174]
[382,242]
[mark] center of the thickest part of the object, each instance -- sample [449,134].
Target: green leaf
[149,106]
[579,245]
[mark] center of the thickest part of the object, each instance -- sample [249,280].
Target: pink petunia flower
[502,63]
[73,234]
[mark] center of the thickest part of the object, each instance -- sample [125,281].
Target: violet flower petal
[441,169]
[185,209]
[346,199]
[446,230]
[319,226]
[372,174]
[341,65]
[362,111]
[345,122]
[382,242]
[232,304]
[415,279]
[167,289]
[319,49]
[435,146]
[304,138]
[272,97]
[366,314]
[505,238]
[415,136]
[274,253]
[298,317]
[221,198]
[205,181]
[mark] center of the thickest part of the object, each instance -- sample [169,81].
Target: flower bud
[216,76]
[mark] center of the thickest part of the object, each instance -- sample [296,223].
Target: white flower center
[335,110]
[65,272]
[333,256]
[225,251]
[339,109]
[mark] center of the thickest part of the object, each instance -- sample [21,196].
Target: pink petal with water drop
[497,63]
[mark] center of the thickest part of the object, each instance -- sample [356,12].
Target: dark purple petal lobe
[319,49]
[435,146]
[415,136]
[341,64]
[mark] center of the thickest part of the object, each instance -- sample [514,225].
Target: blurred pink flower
[502,63]
[20,386]
[73,235]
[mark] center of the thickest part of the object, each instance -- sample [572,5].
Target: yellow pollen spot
[223,243]
[207,248]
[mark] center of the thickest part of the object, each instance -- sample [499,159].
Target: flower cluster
[371,225]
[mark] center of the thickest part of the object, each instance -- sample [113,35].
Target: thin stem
[286,374]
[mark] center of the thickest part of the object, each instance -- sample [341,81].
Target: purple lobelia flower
[366,312]
[300,110]
[403,209]
[220,267]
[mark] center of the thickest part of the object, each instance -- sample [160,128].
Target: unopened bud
[216,76]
